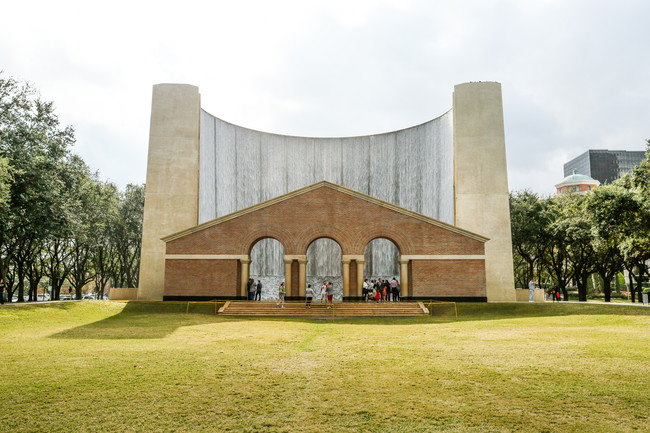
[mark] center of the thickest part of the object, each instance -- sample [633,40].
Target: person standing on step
[393,288]
[330,294]
[366,287]
[258,291]
[398,291]
[250,289]
[309,293]
[281,293]
[323,292]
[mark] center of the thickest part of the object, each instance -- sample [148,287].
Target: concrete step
[344,309]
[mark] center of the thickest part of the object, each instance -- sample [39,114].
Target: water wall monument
[450,172]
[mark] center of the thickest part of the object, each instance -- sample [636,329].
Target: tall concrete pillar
[287,275]
[302,276]
[404,278]
[172,179]
[245,275]
[346,278]
[481,181]
[360,276]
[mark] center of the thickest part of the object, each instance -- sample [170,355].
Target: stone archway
[324,263]
[381,256]
[267,266]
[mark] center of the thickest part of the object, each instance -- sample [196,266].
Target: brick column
[360,277]
[287,275]
[302,277]
[244,276]
[404,277]
[346,278]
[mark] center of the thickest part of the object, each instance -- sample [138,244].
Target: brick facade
[200,278]
[325,210]
[442,279]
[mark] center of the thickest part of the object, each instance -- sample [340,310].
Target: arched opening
[381,257]
[324,263]
[267,266]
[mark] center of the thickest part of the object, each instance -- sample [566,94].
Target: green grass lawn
[103,366]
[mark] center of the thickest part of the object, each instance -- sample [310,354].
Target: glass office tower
[604,165]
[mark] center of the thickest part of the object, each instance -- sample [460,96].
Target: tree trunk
[639,286]
[581,282]
[21,286]
[607,286]
[630,276]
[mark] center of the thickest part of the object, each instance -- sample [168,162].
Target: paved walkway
[629,304]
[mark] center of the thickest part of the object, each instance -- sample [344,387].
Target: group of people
[375,290]
[254,290]
[381,290]
[326,294]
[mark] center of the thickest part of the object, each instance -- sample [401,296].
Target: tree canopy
[57,216]
[568,238]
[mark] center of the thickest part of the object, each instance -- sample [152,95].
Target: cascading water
[412,168]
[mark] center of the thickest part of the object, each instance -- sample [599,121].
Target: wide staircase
[318,310]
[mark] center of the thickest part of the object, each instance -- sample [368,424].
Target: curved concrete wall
[241,167]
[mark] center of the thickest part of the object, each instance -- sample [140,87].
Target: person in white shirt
[323,292]
[531,290]
[366,288]
[309,293]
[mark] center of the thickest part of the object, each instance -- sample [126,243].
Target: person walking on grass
[309,293]
[2,291]
[281,293]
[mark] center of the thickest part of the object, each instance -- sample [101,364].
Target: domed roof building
[576,183]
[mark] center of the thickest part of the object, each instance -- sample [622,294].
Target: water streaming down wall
[381,260]
[412,168]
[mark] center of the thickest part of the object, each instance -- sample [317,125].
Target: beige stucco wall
[481,182]
[171,195]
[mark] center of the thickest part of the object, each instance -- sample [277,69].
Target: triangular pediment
[335,187]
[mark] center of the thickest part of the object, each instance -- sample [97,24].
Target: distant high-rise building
[604,165]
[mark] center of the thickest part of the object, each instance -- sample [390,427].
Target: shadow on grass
[154,320]
[143,320]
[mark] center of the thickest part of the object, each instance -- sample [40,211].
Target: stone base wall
[123,294]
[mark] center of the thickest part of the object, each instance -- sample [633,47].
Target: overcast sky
[575,74]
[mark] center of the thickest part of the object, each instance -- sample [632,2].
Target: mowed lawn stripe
[104,366]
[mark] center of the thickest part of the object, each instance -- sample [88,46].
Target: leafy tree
[529,239]
[35,148]
[6,178]
[126,236]
[559,231]
[635,237]
[103,256]
[608,209]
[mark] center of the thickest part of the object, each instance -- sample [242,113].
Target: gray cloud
[574,74]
